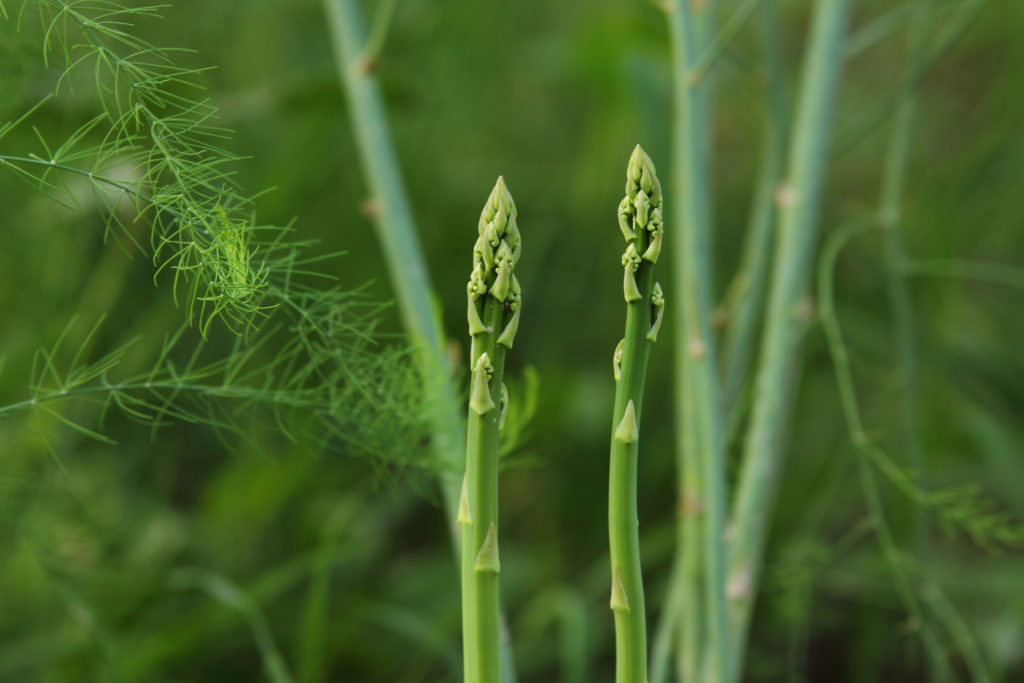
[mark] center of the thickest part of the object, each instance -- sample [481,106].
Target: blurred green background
[179,558]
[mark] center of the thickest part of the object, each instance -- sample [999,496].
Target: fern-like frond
[154,143]
[317,380]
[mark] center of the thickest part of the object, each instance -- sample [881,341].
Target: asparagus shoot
[493,313]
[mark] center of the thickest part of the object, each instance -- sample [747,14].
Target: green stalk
[704,626]
[798,221]
[406,265]
[747,291]
[493,312]
[640,220]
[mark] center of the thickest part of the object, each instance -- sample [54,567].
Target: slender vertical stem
[668,622]
[751,281]
[623,531]
[481,633]
[640,220]
[697,385]
[493,314]
[801,199]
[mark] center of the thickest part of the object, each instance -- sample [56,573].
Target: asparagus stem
[704,626]
[493,313]
[406,264]
[641,223]
[748,288]
[799,210]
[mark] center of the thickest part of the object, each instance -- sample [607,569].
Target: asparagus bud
[640,220]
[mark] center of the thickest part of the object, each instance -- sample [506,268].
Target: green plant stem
[493,316]
[481,633]
[640,219]
[623,530]
[751,281]
[801,196]
[402,251]
[703,453]
[668,623]
[713,49]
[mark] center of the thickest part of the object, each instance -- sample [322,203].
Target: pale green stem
[695,343]
[668,623]
[406,264]
[798,221]
[751,281]
[714,48]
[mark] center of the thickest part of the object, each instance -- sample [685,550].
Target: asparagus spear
[641,225]
[494,306]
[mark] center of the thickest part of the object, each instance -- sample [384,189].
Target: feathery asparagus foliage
[494,305]
[156,146]
[640,220]
[305,345]
[294,378]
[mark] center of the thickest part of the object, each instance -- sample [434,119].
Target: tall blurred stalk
[700,453]
[694,609]
[800,199]
[406,265]
[749,286]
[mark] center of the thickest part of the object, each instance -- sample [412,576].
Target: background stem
[749,286]
[792,265]
[700,445]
